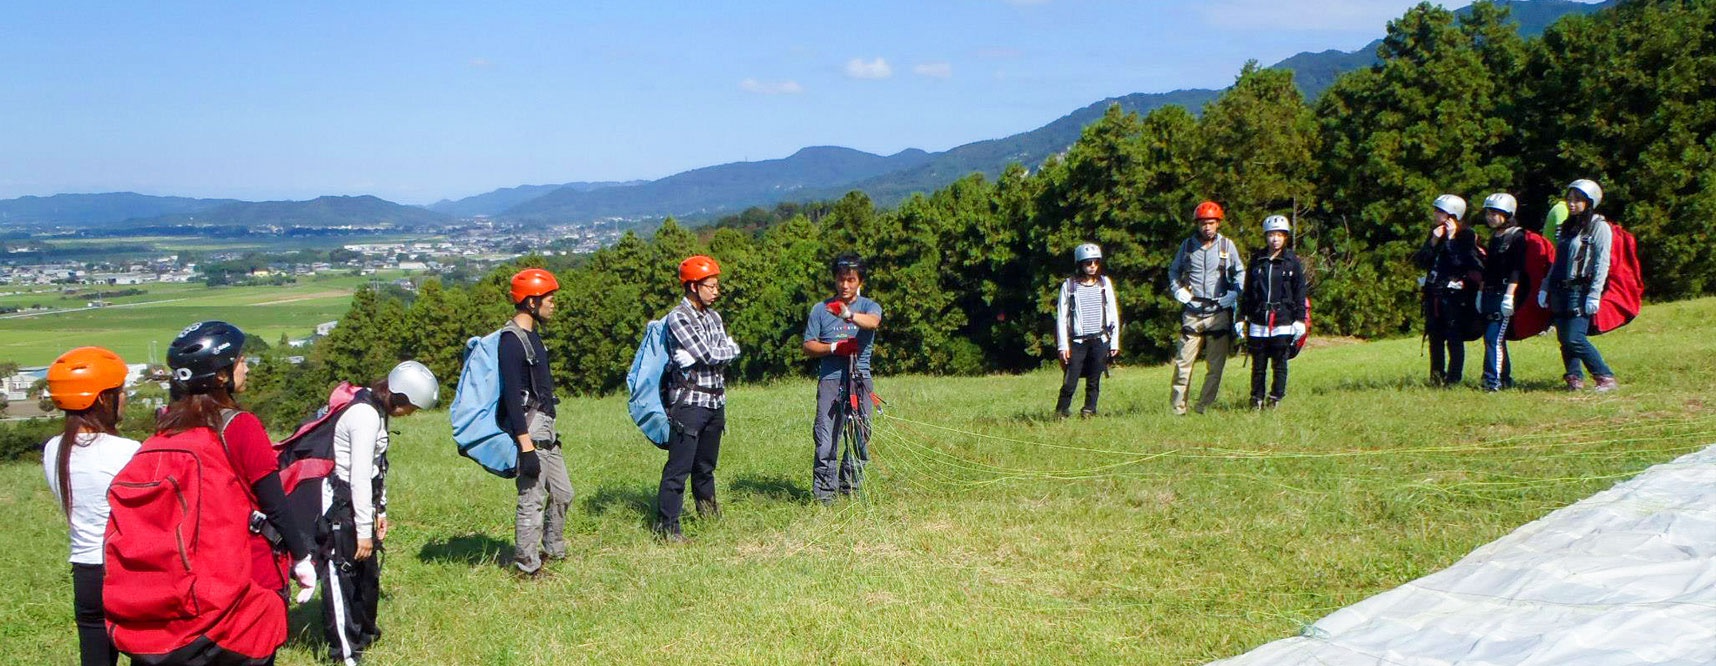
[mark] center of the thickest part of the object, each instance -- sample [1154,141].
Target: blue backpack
[646,384]
[475,410]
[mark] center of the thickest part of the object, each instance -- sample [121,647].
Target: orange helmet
[1208,210]
[533,282]
[697,268]
[78,376]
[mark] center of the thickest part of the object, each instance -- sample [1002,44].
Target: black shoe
[708,508]
[1086,413]
[1062,414]
[1257,404]
[1272,402]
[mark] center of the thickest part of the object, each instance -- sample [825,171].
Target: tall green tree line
[1458,104]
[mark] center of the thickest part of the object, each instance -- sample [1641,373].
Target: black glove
[529,466]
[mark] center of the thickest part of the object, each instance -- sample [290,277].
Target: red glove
[847,347]
[837,308]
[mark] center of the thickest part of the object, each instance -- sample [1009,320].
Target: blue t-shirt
[824,327]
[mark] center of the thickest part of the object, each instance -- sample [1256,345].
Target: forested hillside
[1626,96]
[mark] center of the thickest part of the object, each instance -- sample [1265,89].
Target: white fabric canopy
[1626,576]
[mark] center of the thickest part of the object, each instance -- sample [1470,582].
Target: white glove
[683,358]
[304,571]
[1507,305]
[733,344]
[1228,299]
[1592,304]
[1239,329]
[1543,300]
[1183,295]
[1298,330]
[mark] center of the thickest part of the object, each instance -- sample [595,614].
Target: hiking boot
[1607,384]
[708,508]
[670,534]
[1257,404]
[1086,413]
[538,574]
[1062,414]
[1575,382]
[1272,402]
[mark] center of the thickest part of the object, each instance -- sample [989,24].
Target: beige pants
[1212,334]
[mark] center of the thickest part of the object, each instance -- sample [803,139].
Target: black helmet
[202,350]
[849,261]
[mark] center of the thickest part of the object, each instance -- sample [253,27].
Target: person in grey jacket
[1206,278]
[1574,289]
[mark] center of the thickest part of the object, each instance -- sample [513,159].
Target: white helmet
[1503,202]
[1589,188]
[414,381]
[1451,205]
[1086,252]
[1277,223]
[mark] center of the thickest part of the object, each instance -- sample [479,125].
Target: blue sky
[416,101]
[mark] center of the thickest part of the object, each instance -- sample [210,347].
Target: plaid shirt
[701,333]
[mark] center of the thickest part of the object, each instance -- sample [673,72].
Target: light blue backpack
[646,382]
[475,410]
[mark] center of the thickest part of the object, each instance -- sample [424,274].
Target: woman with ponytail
[88,384]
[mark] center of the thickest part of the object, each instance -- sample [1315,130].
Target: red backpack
[178,586]
[1624,292]
[1529,319]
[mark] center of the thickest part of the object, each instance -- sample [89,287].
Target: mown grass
[292,310]
[989,533]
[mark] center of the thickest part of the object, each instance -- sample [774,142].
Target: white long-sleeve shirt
[92,468]
[1068,319]
[360,439]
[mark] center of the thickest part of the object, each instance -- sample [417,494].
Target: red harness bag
[1623,294]
[1528,319]
[178,586]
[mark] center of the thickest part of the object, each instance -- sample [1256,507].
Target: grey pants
[539,532]
[851,470]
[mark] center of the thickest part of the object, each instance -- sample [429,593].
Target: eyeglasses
[716,286]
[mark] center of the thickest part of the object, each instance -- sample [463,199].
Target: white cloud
[771,88]
[857,68]
[482,63]
[1317,15]
[934,70]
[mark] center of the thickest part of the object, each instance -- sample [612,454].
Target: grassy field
[989,533]
[133,322]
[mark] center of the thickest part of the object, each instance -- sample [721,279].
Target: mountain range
[815,173]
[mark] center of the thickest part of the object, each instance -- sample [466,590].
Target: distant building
[325,328]
[17,386]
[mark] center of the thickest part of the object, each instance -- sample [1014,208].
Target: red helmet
[697,268]
[78,376]
[1208,210]
[533,282]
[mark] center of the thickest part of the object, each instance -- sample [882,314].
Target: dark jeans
[1447,358]
[693,449]
[1087,358]
[1266,352]
[93,644]
[1576,347]
[351,588]
[835,469]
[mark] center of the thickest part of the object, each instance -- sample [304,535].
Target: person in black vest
[1504,265]
[1087,329]
[1274,307]
[353,521]
[527,411]
[1454,268]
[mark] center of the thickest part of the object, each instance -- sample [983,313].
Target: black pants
[693,449]
[93,644]
[1087,358]
[1265,352]
[351,588]
[1447,358]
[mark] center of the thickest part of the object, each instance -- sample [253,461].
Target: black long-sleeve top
[522,382]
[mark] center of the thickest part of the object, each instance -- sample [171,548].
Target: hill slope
[497,201]
[94,210]
[362,211]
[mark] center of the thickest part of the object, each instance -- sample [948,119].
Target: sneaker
[1272,402]
[1256,404]
[1062,414]
[1575,382]
[1086,413]
[1607,384]
[708,508]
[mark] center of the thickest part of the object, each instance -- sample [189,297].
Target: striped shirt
[1085,310]
[701,333]
[1087,303]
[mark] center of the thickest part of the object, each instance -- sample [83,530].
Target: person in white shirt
[1087,330]
[88,384]
[354,507]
